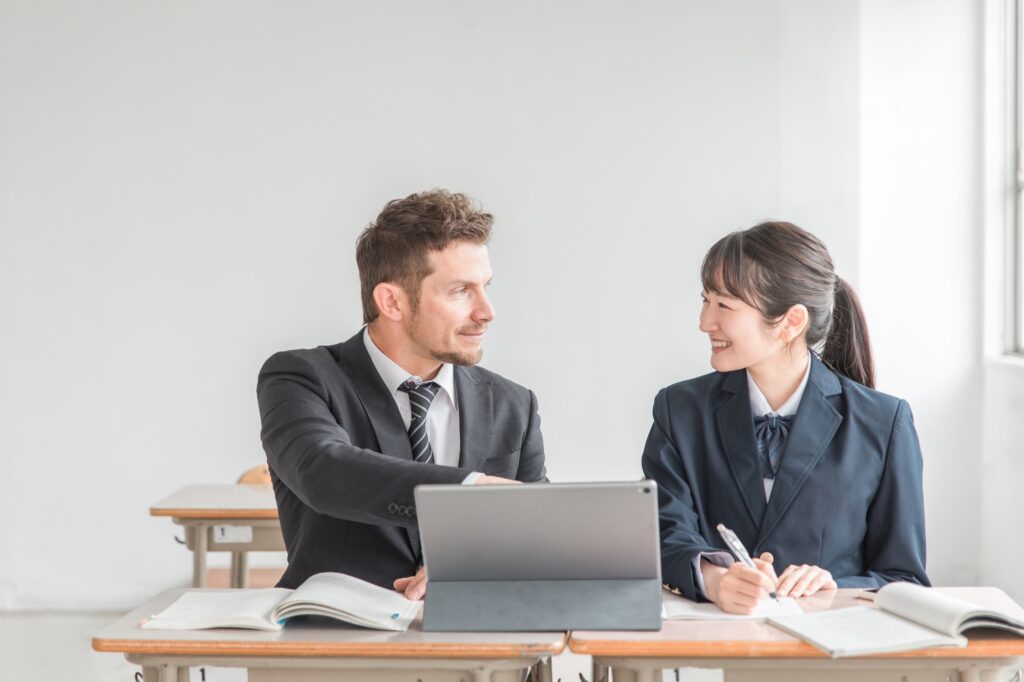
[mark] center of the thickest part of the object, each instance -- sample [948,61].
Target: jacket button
[392,508]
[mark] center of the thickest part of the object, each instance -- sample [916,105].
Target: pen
[739,551]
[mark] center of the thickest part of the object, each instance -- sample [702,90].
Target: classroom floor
[45,647]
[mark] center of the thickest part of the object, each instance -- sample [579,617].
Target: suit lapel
[377,402]
[814,426]
[476,417]
[736,429]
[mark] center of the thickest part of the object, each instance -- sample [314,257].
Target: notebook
[674,607]
[905,617]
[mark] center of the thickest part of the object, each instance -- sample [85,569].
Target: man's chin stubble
[459,358]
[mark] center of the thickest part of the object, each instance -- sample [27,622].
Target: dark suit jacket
[847,496]
[342,465]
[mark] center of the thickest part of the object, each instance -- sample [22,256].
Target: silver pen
[739,551]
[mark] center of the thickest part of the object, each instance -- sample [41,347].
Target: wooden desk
[205,511]
[749,650]
[328,650]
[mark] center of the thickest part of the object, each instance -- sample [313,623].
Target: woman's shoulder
[691,392]
[870,402]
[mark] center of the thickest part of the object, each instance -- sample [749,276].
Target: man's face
[454,311]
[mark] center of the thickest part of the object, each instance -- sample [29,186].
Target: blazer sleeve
[313,454]
[681,540]
[531,454]
[894,547]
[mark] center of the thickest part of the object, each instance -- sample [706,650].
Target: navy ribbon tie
[421,394]
[770,432]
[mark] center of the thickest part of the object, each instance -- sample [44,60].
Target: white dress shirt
[759,407]
[443,414]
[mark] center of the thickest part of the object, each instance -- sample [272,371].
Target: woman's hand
[804,580]
[739,588]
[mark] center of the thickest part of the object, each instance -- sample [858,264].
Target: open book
[333,595]
[907,617]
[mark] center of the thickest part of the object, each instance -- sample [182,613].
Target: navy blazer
[847,496]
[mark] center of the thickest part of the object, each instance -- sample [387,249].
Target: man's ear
[794,323]
[391,301]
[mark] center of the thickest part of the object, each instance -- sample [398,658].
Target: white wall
[181,185]
[920,244]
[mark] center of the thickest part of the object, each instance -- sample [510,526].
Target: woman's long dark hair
[774,266]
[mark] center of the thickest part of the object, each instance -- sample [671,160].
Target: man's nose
[484,310]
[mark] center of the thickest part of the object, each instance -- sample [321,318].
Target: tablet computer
[541,556]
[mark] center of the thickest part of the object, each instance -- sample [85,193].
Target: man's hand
[739,588]
[484,479]
[415,586]
[804,580]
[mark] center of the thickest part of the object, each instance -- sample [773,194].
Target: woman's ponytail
[847,347]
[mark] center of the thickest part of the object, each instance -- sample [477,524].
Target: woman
[796,453]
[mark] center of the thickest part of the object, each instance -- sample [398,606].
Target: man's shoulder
[311,358]
[322,361]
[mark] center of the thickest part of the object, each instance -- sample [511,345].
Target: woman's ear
[794,323]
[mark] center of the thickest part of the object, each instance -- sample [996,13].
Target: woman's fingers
[790,578]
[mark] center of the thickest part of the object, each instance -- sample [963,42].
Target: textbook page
[228,609]
[925,606]
[940,611]
[862,630]
[675,607]
[342,596]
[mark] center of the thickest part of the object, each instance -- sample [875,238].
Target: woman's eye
[724,306]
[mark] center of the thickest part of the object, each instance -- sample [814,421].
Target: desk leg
[544,670]
[165,673]
[200,535]
[240,569]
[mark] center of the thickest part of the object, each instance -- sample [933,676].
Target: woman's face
[738,334]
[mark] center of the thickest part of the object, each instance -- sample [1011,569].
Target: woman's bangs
[727,272]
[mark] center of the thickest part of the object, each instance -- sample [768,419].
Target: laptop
[541,557]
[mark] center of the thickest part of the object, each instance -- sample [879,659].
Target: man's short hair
[394,248]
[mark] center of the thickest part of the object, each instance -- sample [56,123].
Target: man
[350,429]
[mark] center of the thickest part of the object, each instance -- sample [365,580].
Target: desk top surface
[754,639]
[227,501]
[320,638]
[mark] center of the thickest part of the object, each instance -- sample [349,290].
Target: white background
[182,184]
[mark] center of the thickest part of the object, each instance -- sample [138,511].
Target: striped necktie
[421,394]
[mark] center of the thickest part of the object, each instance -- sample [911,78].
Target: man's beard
[450,357]
[458,358]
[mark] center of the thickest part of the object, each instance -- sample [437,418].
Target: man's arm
[531,454]
[314,456]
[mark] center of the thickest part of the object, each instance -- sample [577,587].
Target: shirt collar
[759,406]
[394,376]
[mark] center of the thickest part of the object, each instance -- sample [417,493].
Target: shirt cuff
[723,559]
[471,479]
